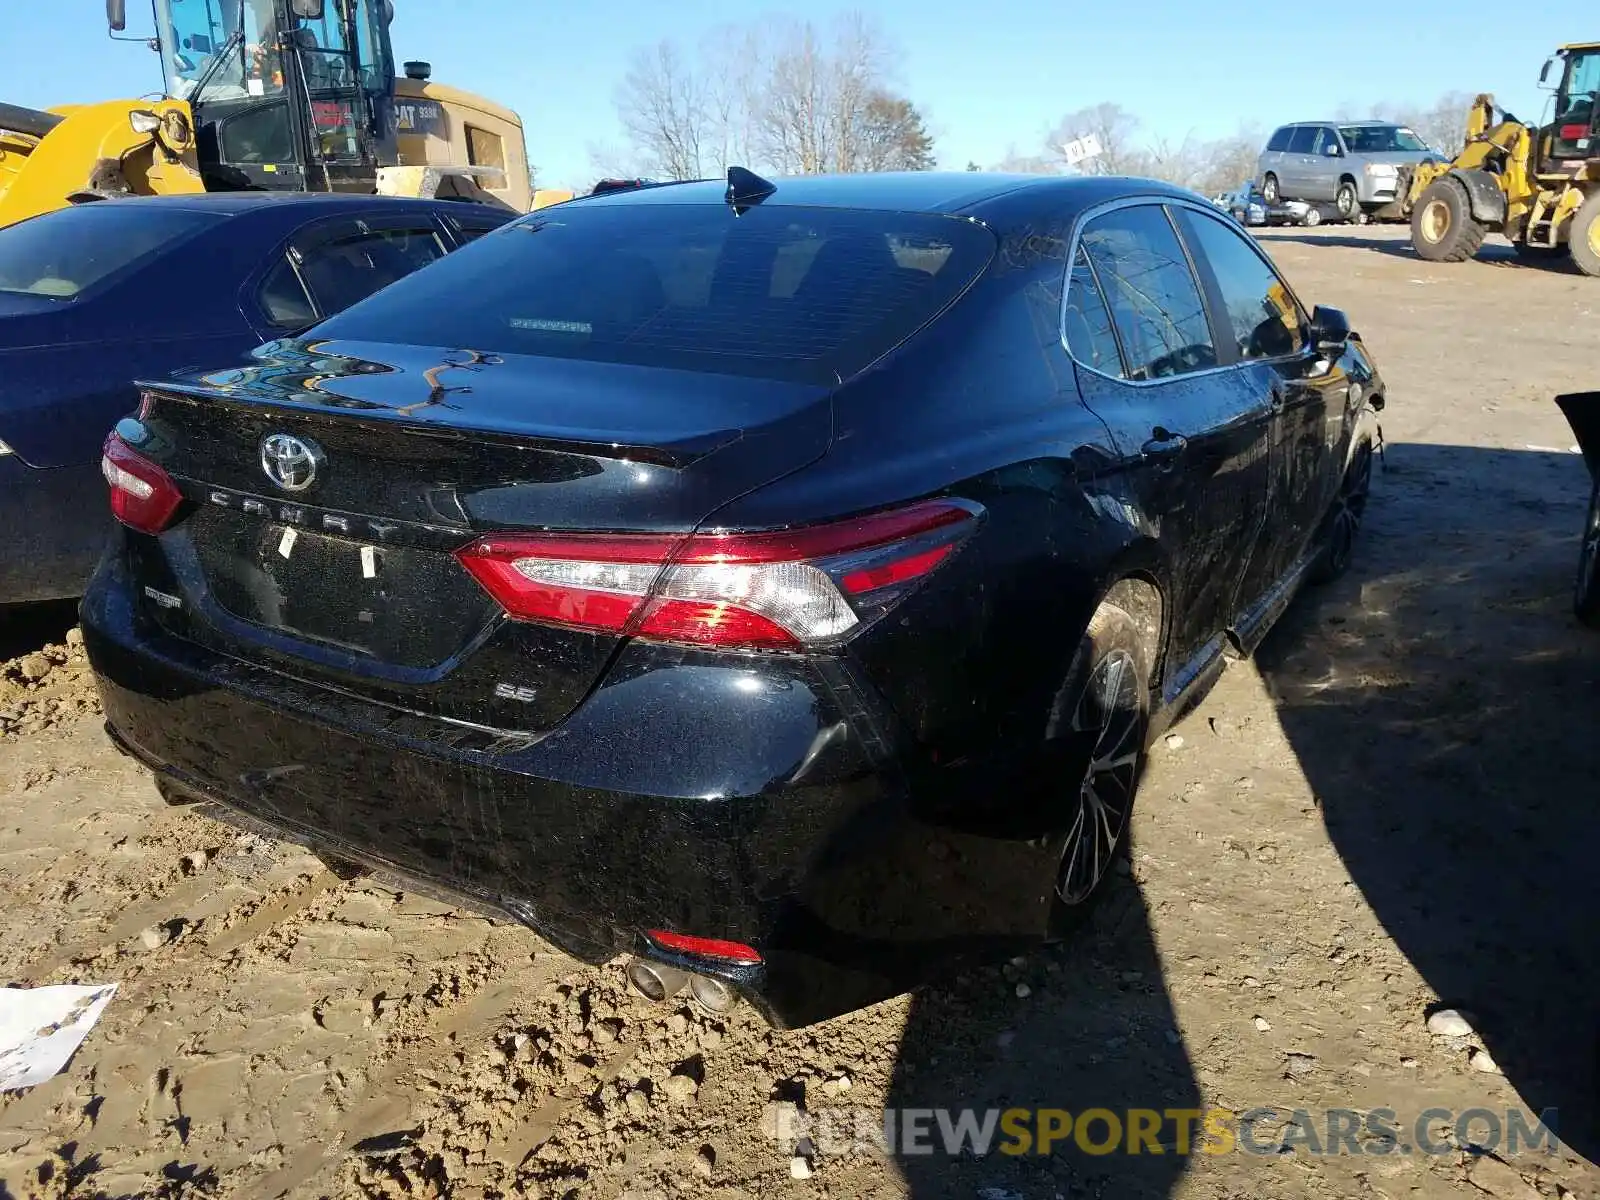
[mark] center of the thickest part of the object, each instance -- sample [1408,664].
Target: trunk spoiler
[1582,410]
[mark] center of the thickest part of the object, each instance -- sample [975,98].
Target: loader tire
[1443,228]
[27,120]
[1584,237]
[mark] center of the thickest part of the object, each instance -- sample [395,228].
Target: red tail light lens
[143,496]
[1574,133]
[728,952]
[778,591]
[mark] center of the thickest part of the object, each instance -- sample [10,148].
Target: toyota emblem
[290,462]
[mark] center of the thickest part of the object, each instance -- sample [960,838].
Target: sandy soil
[1393,807]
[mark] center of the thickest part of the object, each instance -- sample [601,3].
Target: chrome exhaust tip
[713,995]
[655,981]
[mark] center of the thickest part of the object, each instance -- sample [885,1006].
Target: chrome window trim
[1165,202]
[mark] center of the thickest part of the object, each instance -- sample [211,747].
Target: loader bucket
[1582,410]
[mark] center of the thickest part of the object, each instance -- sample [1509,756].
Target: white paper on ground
[40,1028]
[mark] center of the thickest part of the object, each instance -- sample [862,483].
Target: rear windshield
[801,294]
[1381,139]
[64,253]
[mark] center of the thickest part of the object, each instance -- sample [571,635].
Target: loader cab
[292,95]
[1574,133]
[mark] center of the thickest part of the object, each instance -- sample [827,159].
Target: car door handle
[1164,445]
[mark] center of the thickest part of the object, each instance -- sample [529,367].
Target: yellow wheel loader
[292,95]
[1537,185]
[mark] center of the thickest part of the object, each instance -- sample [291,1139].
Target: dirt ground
[1393,807]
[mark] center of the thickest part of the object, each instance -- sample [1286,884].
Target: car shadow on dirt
[1444,705]
[1084,1025]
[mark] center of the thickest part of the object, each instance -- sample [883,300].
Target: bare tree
[664,112]
[786,96]
[1114,127]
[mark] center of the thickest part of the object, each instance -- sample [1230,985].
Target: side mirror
[117,15]
[307,10]
[1332,151]
[1330,330]
[1544,73]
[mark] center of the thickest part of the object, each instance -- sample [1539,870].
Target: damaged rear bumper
[762,802]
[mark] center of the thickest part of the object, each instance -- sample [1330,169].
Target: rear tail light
[143,496]
[777,591]
[1574,133]
[682,943]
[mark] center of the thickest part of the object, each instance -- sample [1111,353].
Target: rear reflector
[143,496]
[683,943]
[787,590]
[1574,133]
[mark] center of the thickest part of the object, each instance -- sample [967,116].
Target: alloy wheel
[1111,713]
[1349,509]
[1589,556]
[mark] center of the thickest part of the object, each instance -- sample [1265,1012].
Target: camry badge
[290,462]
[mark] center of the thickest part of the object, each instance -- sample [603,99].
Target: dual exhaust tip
[659,982]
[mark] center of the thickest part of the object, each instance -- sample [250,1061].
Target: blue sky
[990,76]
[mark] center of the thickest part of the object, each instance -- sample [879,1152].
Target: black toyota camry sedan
[778,583]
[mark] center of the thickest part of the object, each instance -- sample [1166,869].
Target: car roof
[969,193]
[1367,121]
[236,203]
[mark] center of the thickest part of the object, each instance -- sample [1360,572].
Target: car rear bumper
[761,801]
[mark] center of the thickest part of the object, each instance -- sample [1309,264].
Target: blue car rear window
[62,254]
[803,294]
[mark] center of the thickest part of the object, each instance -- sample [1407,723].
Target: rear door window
[1089,333]
[1152,293]
[1262,315]
[347,268]
[65,253]
[471,227]
[783,292]
[1303,140]
[283,298]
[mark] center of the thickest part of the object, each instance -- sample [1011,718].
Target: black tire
[1443,228]
[1313,217]
[1103,713]
[1343,522]
[1583,239]
[1586,596]
[27,120]
[1347,200]
[1269,188]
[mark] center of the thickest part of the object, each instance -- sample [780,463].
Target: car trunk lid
[339,566]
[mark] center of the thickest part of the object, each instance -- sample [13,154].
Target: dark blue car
[93,297]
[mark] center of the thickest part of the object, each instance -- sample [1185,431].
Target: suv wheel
[1269,189]
[1104,709]
[1346,200]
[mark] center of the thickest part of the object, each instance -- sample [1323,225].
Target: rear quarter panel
[983,404]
